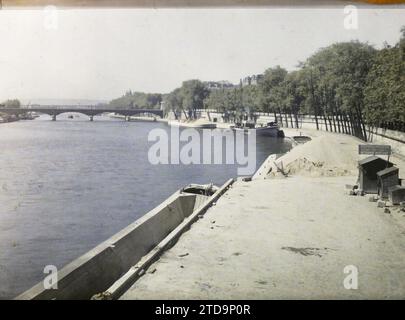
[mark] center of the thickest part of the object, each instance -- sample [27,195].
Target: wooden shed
[387,178]
[396,194]
[368,168]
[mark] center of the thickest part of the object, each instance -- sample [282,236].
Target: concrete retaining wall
[136,271]
[99,268]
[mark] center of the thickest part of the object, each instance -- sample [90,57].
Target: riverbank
[277,237]
[59,179]
[137,118]
[262,237]
[5,118]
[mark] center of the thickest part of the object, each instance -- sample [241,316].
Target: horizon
[89,62]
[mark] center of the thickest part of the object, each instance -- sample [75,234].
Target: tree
[11,103]
[193,93]
[385,91]
[174,102]
[138,100]
[338,77]
[217,100]
[251,98]
[272,79]
[295,93]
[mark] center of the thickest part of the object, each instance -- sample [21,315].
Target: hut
[387,178]
[396,194]
[368,168]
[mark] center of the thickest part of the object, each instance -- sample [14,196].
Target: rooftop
[370,159]
[387,171]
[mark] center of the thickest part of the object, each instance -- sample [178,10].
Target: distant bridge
[90,111]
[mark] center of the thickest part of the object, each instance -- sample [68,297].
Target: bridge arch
[89,111]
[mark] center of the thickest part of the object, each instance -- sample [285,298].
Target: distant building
[215,85]
[247,81]
[251,80]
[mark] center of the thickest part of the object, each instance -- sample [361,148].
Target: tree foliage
[385,90]
[188,98]
[343,85]
[11,103]
[138,100]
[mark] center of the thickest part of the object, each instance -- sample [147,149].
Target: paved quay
[278,237]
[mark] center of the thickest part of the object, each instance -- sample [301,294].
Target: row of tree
[344,86]
[138,100]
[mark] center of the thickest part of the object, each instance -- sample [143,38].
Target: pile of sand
[305,167]
[328,155]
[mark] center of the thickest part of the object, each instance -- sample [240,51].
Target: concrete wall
[96,270]
[306,122]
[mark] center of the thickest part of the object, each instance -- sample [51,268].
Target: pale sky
[99,54]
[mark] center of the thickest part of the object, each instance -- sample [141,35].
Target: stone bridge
[90,111]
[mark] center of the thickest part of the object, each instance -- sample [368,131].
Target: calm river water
[68,185]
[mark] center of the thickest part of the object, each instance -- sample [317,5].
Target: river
[67,185]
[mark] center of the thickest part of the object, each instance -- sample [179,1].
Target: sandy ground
[287,237]
[328,154]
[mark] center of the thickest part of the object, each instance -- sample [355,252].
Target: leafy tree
[251,98]
[173,101]
[385,91]
[338,78]
[295,94]
[270,99]
[138,100]
[217,99]
[193,93]
[11,103]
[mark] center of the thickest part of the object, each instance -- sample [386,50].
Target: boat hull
[274,132]
[207,125]
[268,132]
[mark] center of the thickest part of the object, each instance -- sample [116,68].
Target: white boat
[200,123]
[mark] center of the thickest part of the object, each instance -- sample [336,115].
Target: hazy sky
[99,54]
